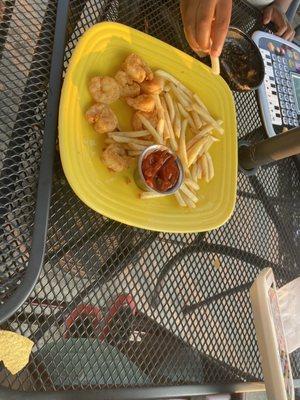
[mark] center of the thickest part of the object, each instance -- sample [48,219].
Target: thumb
[267,15]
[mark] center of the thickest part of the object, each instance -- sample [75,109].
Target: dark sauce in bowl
[241,62]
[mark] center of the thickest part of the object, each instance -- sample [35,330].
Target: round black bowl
[241,63]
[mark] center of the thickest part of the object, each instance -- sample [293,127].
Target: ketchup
[160,170]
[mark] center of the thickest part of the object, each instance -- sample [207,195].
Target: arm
[276,13]
[283,4]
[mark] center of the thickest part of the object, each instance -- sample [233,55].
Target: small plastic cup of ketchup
[159,170]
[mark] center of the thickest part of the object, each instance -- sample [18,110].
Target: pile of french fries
[186,127]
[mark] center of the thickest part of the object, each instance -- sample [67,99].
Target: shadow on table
[138,356]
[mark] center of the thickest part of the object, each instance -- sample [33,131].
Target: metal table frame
[38,252]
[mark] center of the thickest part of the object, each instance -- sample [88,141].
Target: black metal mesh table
[179,304]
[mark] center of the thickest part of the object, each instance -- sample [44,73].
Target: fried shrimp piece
[104,89]
[114,157]
[152,117]
[155,86]
[143,102]
[127,86]
[136,68]
[102,118]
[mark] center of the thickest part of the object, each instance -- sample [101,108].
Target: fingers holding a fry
[205,24]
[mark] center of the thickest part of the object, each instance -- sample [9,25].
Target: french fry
[151,195]
[191,123]
[204,167]
[191,183]
[182,99]
[211,171]
[196,119]
[179,199]
[170,105]
[188,201]
[166,135]
[215,65]
[160,127]
[171,78]
[170,131]
[177,125]
[208,118]
[209,142]
[133,134]
[123,139]
[134,146]
[158,105]
[173,144]
[151,129]
[186,115]
[199,170]
[134,153]
[182,145]
[189,193]
[177,121]
[204,131]
[182,111]
[182,94]
[166,132]
[196,151]
[194,173]
[200,102]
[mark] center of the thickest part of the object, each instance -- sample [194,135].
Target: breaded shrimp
[136,68]
[143,102]
[104,89]
[102,118]
[127,86]
[155,86]
[114,157]
[152,117]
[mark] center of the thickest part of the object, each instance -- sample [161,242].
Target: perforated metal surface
[26,39]
[156,337]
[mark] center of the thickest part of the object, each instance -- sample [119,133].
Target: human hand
[206,24]
[274,14]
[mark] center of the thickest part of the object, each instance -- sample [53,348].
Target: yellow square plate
[100,51]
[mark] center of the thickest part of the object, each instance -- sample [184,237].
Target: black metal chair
[291,12]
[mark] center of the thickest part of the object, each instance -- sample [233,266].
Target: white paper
[289,304]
